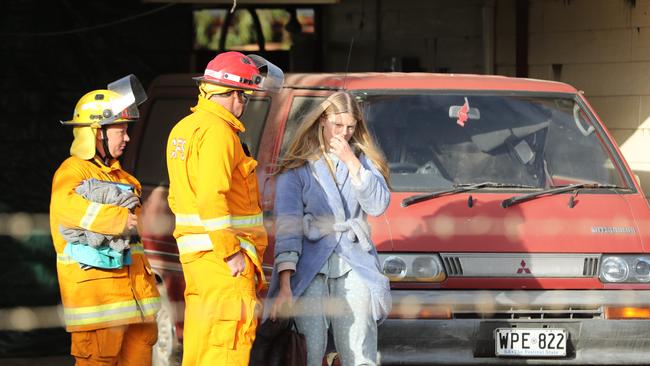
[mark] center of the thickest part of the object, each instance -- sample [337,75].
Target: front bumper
[470,340]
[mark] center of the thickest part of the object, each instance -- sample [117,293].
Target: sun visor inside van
[487,141]
[490,140]
[524,131]
[507,120]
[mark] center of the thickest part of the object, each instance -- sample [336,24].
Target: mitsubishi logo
[523,267]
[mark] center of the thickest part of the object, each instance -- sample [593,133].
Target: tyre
[167,351]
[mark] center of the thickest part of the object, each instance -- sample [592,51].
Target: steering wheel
[429,168]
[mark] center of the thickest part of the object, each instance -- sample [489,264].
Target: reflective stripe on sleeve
[190,243]
[220,222]
[201,242]
[188,220]
[64,259]
[90,215]
[217,223]
[248,247]
[248,221]
[193,243]
[209,225]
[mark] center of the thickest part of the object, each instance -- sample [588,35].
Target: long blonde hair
[307,144]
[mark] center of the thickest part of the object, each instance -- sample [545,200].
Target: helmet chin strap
[106,156]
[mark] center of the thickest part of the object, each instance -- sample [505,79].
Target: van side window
[254,118]
[300,107]
[151,166]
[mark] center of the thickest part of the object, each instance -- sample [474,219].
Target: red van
[516,233]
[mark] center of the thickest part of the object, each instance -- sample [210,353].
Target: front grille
[591,267]
[522,313]
[453,266]
[521,265]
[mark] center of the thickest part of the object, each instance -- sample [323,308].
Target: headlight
[425,267]
[413,267]
[628,268]
[614,269]
[642,269]
[394,267]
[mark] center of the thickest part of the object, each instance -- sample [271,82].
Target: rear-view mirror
[456,110]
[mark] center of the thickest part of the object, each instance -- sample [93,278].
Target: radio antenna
[347,64]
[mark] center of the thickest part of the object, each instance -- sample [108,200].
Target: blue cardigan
[309,191]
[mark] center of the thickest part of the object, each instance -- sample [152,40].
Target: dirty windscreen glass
[435,141]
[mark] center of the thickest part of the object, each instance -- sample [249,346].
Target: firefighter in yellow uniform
[214,196]
[109,311]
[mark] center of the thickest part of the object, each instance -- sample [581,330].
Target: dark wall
[53,52]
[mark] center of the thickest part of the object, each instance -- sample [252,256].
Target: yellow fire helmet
[99,108]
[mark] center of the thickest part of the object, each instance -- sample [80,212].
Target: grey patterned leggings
[343,303]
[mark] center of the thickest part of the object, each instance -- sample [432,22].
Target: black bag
[278,343]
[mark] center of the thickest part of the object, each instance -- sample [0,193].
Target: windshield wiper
[554,190]
[458,188]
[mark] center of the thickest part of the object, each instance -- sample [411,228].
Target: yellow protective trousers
[125,345]
[220,318]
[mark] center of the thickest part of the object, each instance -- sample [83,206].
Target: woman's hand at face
[341,148]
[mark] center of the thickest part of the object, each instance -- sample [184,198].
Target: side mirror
[638,179]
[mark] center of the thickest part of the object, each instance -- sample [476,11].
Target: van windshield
[436,141]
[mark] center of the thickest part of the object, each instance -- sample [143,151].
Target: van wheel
[167,350]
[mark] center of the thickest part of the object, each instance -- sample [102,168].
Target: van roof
[400,80]
[396,80]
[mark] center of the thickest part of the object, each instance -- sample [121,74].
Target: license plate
[530,342]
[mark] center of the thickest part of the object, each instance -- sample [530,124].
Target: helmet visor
[271,76]
[131,94]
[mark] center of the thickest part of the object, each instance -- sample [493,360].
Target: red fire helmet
[247,72]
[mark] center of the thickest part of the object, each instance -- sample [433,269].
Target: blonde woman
[331,178]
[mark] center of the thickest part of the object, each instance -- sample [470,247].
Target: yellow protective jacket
[98,298]
[213,187]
